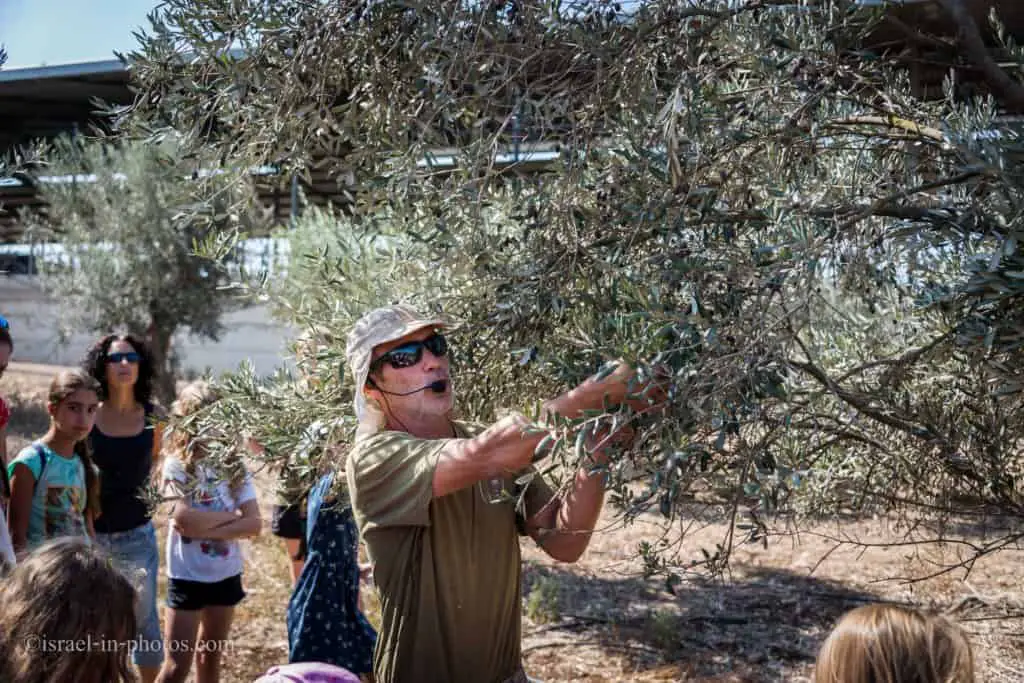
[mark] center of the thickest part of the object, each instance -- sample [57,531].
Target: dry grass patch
[600,621]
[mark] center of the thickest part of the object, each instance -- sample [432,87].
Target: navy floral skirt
[324,621]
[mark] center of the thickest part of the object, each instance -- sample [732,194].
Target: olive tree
[122,223]
[746,194]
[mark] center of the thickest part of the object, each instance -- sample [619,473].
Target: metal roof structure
[45,102]
[48,101]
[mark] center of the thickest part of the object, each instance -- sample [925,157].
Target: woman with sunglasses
[125,443]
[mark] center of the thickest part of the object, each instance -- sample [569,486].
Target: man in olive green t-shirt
[438,505]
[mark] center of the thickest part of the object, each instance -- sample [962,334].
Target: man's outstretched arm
[507,446]
[563,526]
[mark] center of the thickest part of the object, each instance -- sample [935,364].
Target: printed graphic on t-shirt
[62,512]
[203,559]
[203,498]
[214,548]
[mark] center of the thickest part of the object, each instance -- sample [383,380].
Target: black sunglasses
[408,355]
[129,356]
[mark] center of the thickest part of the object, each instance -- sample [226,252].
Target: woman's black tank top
[124,463]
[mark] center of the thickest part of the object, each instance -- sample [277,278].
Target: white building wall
[249,333]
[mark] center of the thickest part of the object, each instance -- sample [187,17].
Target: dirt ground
[600,620]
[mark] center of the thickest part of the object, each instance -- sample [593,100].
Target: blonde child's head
[890,644]
[193,398]
[191,435]
[187,436]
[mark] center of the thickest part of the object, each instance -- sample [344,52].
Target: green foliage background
[747,194]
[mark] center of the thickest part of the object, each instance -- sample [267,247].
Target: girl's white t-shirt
[204,560]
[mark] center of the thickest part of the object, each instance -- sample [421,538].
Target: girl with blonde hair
[891,644]
[214,505]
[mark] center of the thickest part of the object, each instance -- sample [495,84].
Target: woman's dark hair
[5,337]
[95,364]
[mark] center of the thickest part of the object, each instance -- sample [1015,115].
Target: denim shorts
[136,553]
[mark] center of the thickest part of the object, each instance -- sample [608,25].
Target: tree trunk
[159,338]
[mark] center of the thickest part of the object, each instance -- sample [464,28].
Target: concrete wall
[250,333]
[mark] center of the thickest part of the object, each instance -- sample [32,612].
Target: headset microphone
[438,386]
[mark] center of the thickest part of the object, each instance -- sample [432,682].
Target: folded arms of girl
[222,525]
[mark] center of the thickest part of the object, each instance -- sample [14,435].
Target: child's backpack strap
[41,452]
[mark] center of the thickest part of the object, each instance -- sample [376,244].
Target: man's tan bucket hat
[380,326]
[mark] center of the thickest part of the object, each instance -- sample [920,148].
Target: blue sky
[37,32]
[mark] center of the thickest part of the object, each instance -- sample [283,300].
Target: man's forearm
[565,532]
[581,507]
[502,448]
[578,512]
[508,445]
